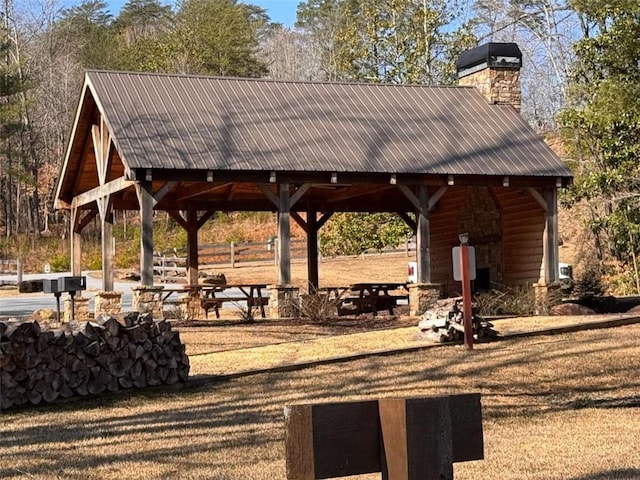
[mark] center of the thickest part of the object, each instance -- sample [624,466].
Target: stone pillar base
[146,299]
[191,307]
[107,303]
[546,295]
[422,296]
[80,308]
[284,301]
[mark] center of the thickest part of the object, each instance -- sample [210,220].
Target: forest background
[580,85]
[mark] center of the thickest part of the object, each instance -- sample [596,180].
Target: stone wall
[480,218]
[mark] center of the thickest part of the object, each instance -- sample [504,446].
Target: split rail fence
[232,254]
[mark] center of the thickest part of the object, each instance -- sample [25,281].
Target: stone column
[422,296]
[191,307]
[80,308]
[546,295]
[498,85]
[147,299]
[284,301]
[107,303]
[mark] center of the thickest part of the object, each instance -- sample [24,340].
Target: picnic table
[251,293]
[193,290]
[213,296]
[370,297]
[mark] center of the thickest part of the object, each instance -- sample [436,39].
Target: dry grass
[341,271]
[560,407]
[8,291]
[224,350]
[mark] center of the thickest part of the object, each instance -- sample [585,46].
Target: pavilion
[448,160]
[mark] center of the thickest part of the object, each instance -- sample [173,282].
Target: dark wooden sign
[332,440]
[423,437]
[403,438]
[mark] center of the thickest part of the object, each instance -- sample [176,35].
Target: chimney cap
[492,54]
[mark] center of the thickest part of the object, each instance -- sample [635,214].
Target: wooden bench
[207,303]
[353,305]
[370,297]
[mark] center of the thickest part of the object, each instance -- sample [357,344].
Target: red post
[466,296]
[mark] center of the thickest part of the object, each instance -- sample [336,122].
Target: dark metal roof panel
[191,122]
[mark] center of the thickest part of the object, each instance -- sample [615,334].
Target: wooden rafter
[348,193]
[196,191]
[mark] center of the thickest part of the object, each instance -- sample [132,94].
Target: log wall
[522,236]
[443,222]
[39,366]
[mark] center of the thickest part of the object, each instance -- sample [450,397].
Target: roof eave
[61,202]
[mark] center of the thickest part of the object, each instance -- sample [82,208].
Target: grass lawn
[563,407]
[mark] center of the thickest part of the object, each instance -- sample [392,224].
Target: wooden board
[332,440]
[405,439]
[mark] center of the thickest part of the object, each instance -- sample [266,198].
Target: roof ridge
[271,80]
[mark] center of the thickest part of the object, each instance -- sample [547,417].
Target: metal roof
[163,121]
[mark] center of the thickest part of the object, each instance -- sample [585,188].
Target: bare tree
[57,76]
[545,30]
[290,55]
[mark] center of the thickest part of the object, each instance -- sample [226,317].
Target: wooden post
[106,223]
[417,438]
[312,249]
[232,254]
[192,245]
[108,252]
[145,200]
[423,255]
[76,243]
[332,440]
[284,236]
[466,296]
[550,236]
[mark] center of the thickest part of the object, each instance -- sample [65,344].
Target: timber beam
[101,191]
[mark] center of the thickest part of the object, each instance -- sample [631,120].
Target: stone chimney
[493,68]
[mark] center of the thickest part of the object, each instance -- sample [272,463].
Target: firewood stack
[89,359]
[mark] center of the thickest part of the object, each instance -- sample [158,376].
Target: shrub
[519,301]
[355,233]
[318,306]
[60,262]
[589,283]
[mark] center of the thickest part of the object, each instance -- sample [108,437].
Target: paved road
[20,305]
[26,304]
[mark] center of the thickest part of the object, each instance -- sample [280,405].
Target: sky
[280,11]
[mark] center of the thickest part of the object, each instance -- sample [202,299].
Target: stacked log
[89,358]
